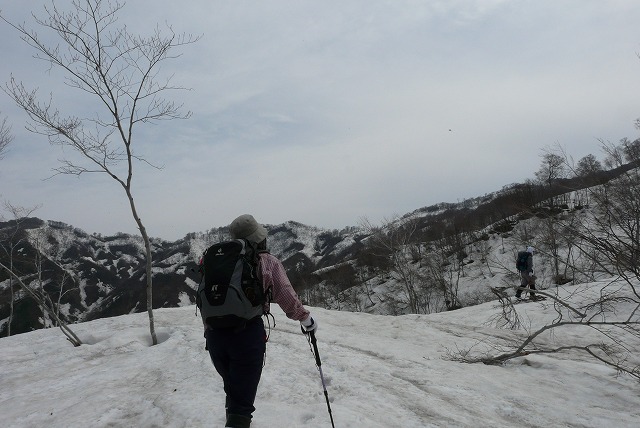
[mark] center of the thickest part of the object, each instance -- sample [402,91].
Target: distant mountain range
[89,276]
[103,276]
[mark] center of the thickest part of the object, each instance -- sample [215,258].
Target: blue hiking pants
[237,354]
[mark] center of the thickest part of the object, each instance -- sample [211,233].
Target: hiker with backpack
[524,264]
[240,279]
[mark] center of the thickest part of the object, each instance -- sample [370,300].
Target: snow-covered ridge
[380,372]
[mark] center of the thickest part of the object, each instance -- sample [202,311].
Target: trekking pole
[311,338]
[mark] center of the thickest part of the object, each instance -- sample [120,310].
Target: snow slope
[381,371]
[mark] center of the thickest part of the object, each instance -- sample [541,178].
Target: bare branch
[120,71]
[42,301]
[5,137]
[104,60]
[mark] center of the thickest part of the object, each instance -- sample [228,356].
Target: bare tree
[552,168]
[45,258]
[453,265]
[71,336]
[605,319]
[484,249]
[10,239]
[62,292]
[443,269]
[120,71]
[549,240]
[588,165]
[631,150]
[394,240]
[337,280]
[5,137]
[607,329]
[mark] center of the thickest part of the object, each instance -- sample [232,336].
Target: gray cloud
[324,112]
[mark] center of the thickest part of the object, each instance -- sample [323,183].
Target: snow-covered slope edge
[381,371]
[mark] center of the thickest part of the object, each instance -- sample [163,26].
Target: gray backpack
[230,292]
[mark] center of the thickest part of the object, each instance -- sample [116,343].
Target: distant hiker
[236,345]
[524,264]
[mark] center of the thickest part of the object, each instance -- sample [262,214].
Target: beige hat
[246,227]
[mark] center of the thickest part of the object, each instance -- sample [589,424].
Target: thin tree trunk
[149,260]
[64,277]
[63,326]
[11,305]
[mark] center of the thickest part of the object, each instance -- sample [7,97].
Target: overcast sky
[325,112]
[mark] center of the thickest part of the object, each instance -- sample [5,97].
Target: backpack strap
[255,261]
[268,293]
[201,272]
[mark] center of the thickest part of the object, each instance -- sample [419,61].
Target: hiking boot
[238,421]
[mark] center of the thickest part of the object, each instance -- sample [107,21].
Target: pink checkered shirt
[274,276]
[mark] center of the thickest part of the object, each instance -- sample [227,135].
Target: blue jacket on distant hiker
[524,264]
